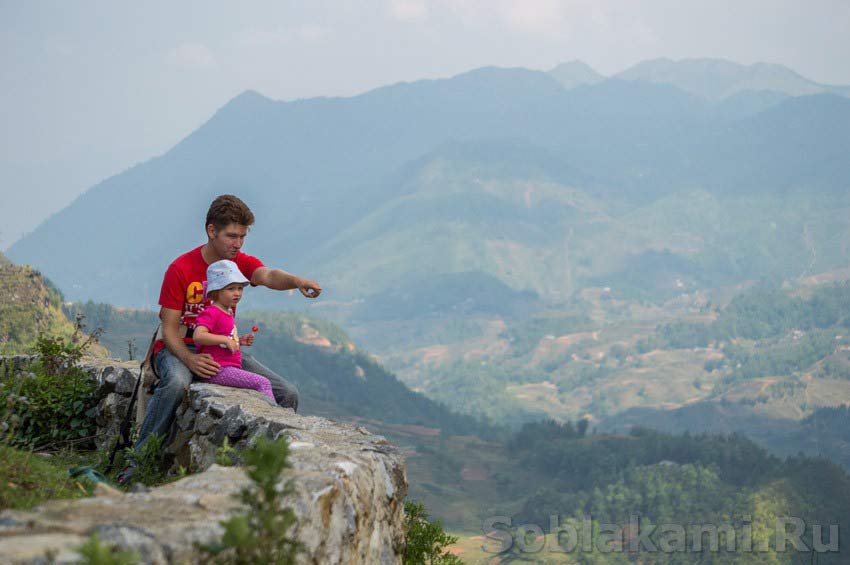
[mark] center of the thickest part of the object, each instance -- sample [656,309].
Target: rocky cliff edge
[349,486]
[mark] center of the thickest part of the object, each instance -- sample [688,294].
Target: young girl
[215,330]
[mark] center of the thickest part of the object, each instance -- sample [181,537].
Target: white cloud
[313,33]
[471,12]
[533,16]
[408,10]
[544,18]
[191,56]
[260,38]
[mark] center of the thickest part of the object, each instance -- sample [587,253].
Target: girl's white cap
[222,273]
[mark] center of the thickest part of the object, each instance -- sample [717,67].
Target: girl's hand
[246,339]
[232,345]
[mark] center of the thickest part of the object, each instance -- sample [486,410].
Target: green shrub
[260,534]
[425,540]
[54,403]
[148,461]
[94,552]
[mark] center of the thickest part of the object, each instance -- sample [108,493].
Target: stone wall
[349,487]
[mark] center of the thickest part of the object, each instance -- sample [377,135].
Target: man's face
[228,241]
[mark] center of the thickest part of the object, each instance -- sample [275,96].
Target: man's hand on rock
[310,289]
[203,365]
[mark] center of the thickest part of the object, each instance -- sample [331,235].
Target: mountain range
[542,181]
[711,79]
[716,79]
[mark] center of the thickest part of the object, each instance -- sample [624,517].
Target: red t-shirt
[185,283]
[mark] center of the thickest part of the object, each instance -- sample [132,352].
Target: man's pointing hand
[310,289]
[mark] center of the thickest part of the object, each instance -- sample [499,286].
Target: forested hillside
[549,475]
[32,306]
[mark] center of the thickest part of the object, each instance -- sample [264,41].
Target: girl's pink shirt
[219,322]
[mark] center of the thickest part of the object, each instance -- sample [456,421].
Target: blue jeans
[174,380]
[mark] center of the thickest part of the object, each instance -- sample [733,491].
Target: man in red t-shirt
[182,298]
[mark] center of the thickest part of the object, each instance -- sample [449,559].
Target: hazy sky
[92,88]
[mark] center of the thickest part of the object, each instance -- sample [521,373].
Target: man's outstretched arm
[278,279]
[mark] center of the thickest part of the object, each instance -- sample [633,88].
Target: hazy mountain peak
[505,78]
[242,113]
[249,97]
[716,79]
[247,101]
[575,73]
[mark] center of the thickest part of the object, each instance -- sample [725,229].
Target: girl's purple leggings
[239,378]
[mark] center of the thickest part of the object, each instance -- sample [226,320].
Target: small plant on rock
[425,540]
[94,552]
[260,535]
[147,461]
[226,455]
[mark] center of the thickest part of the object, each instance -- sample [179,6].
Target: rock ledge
[349,491]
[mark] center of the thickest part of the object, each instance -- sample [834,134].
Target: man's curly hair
[228,209]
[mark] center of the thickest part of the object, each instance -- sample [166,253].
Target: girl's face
[230,295]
